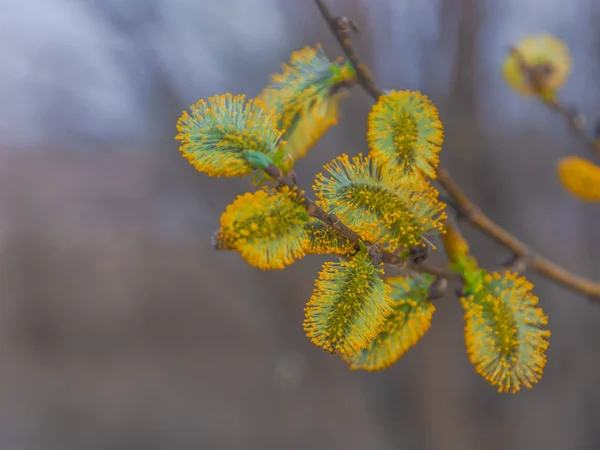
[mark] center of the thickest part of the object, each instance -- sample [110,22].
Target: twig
[576,122]
[331,219]
[542,265]
[535,75]
[340,28]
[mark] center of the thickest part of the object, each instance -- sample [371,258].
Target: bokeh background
[121,328]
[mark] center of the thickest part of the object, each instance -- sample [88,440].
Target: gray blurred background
[121,328]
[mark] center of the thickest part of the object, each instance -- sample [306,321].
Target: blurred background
[121,328]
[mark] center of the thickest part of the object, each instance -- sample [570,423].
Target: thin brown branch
[535,74]
[313,210]
[538,263]
[576,122]
[340,27]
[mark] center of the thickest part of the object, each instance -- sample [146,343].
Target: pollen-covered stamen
[405,135]
[266,227]
[408,321]
[215,134]
[348,306]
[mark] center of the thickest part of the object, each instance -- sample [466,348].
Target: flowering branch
[377,254]
[341,27]
[416,260]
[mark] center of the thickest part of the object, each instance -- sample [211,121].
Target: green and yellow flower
[266,227]
[348,306]
[215,134]
[408,321]
[405,132]
[504,330]
[378,204]
[305,98]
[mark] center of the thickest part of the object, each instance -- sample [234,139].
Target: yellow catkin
[545,54]
[215,134]
[304,100]
[266,227]
[405,132]
[378,204]
[408,321]
[580,177]
[348,306]
[504,332]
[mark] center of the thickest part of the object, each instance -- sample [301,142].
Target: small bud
[257,160]
[418,254]
[292,176]
[437,289]
[375,254]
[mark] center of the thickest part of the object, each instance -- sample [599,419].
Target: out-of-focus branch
[576,121]
[341,27]
[473,214]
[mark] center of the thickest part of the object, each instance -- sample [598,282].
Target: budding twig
[340,27]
